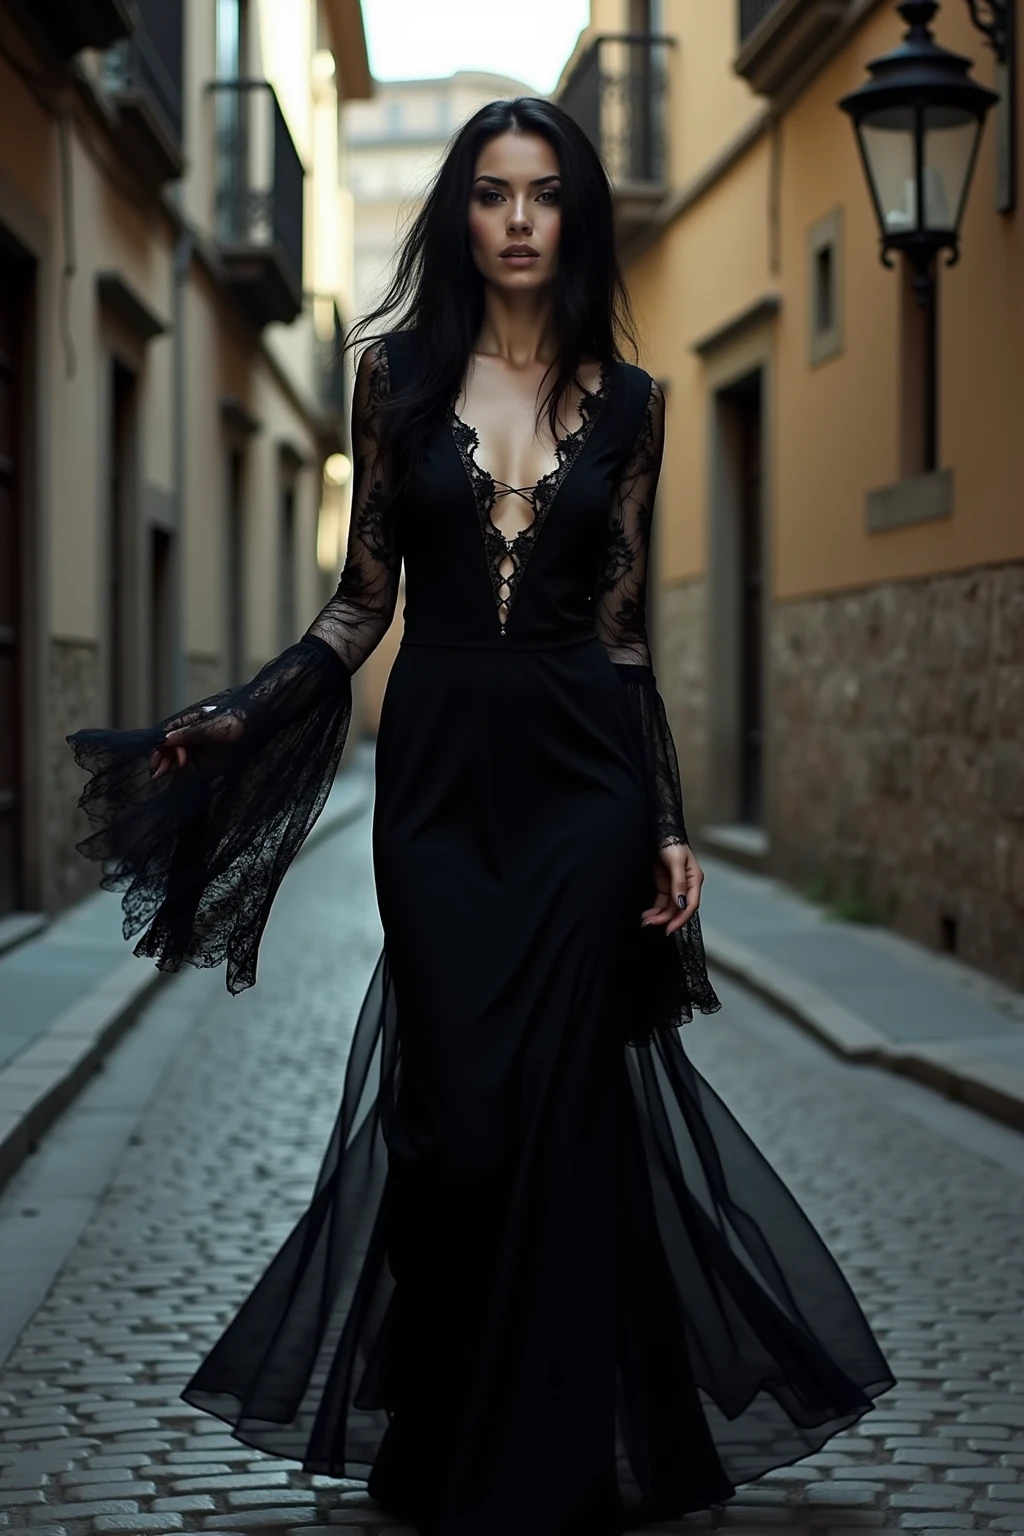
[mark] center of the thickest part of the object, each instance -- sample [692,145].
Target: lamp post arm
[994,23]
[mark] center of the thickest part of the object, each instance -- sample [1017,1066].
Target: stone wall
[897,756]
[681,663]
[73,702]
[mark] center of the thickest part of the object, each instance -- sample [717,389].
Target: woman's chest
[455,504]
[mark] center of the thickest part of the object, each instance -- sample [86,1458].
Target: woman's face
[516,202]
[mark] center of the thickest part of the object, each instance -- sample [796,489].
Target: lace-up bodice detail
[507,554]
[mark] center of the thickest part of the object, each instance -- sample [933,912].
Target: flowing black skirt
[545,1280]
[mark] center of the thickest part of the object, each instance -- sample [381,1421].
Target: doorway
[738,606]
[15,275]
[161,624]
[121,543]
[235,539]
[287,571]
[750,560]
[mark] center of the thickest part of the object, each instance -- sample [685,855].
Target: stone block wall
[73,702]
[681,665]
[897,756]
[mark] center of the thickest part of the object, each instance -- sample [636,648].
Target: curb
[40,1083]
[994,1088]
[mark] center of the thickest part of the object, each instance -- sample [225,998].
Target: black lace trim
[498,548]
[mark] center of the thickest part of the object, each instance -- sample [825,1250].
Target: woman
[545,1281]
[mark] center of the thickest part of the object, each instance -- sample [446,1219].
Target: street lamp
[918,122]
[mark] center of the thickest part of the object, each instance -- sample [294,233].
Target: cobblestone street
[921,1201]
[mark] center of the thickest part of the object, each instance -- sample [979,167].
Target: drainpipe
[179,392]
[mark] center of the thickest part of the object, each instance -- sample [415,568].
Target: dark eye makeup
[553,194]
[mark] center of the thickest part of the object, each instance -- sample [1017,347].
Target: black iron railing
[752,13]
[617,94]
[70,25]
[330,361]
[259,176]
[151,60]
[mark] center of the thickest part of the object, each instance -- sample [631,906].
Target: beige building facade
[175,265]
[840,624]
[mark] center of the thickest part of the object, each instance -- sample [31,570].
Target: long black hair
[438,291]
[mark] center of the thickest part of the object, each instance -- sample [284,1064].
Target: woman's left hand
[677,880]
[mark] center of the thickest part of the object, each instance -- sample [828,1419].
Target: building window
[824,269]
[824,289]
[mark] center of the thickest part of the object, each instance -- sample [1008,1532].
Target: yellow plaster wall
[836,422]
[704,271]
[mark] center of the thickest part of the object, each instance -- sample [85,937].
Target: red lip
[519,250]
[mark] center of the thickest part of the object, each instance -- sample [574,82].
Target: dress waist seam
[501,642]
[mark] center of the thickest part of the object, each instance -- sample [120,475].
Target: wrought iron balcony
[65,27]
[143,74]
[778,37]
[258,199]
[752,13]
[617,93]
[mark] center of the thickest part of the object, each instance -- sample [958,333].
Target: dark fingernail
[681,901]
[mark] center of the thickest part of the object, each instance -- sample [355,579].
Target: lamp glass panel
[888,141]
[949,139]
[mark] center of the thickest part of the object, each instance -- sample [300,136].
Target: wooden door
[752,611]
[236,630]
[13,293]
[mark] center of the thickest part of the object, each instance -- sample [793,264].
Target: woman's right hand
[166,757]
[202,734]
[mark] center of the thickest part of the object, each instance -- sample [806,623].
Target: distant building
[395,143]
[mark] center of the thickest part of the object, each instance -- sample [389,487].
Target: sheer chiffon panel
[295,1373]
[740,1346]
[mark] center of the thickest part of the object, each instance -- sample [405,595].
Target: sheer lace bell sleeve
[200,852]
[676,978]
[621,615]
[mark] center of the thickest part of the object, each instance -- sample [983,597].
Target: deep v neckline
[507,555]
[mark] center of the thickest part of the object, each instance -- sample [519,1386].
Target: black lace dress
[545,1282]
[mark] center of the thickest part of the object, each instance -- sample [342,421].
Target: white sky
[527,39]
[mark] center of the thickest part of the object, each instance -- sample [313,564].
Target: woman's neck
[519,328]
